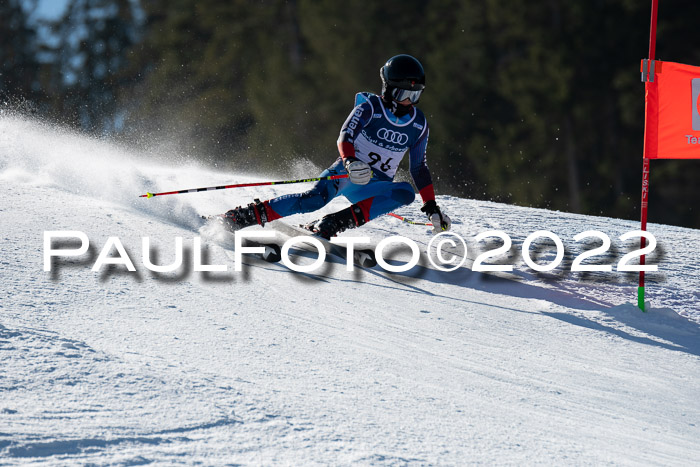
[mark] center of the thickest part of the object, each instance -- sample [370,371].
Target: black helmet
[403,78]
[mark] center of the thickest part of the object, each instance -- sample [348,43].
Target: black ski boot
[241,217]
[332,224]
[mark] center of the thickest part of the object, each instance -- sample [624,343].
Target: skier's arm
[356,121]
[358,171]
[419,167]
[424,183]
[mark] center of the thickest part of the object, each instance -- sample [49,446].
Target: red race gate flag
[672,123]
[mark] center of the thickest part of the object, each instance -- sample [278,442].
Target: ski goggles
[401,95]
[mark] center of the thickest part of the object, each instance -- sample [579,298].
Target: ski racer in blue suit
[373,141]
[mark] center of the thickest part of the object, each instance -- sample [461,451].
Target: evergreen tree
[19,66]
[90,53]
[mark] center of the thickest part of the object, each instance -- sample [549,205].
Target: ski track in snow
[268,366]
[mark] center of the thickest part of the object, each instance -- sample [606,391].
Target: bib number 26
[376,158]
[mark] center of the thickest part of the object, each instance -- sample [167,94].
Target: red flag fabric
[672,123]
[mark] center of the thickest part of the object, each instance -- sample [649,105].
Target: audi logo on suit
[391,136]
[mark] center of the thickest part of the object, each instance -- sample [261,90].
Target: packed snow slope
[271,366]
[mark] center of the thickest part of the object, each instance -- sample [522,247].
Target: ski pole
[408,220]
[240,185]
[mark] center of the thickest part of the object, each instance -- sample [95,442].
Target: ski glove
[440,221]
[359,171]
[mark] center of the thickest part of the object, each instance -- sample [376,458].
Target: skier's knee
[403,193]
[311,201]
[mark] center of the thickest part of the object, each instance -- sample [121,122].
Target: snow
[270,366]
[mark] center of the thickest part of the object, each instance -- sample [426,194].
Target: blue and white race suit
[373,134]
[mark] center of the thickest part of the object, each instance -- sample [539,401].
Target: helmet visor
[401,95]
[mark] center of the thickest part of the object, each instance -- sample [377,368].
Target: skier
[372,142]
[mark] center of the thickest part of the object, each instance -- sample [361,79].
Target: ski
[363,257]
[272,252]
